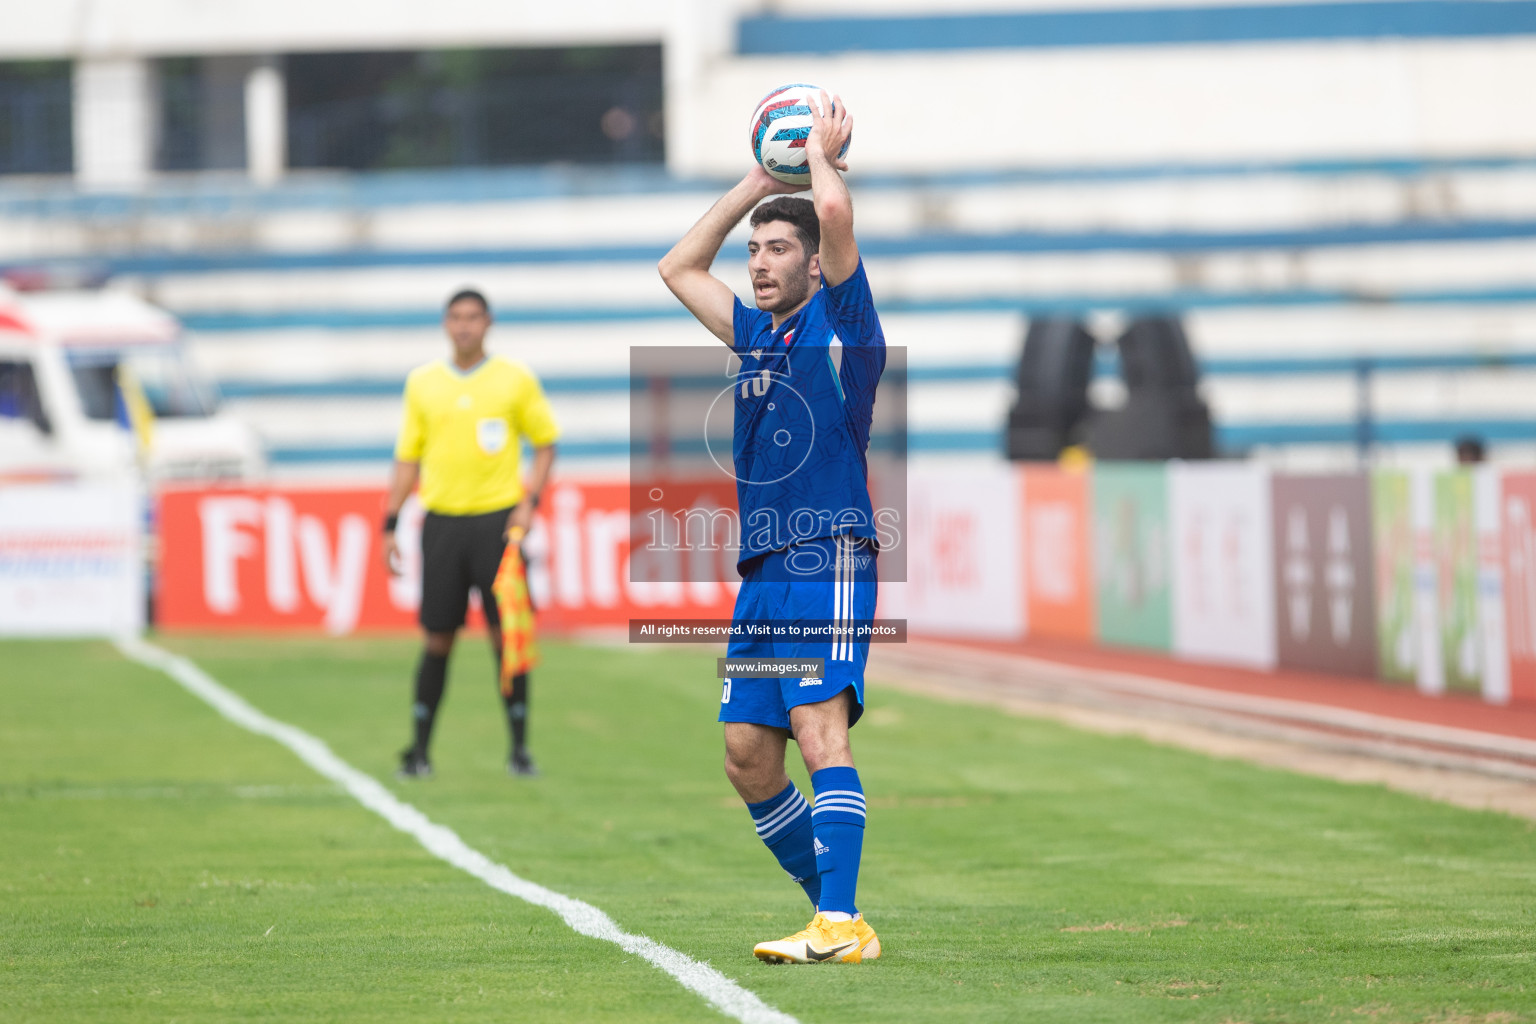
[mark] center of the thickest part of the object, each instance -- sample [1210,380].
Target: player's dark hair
[799,214]
[469,293]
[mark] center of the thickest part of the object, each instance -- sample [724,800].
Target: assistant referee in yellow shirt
[460,438]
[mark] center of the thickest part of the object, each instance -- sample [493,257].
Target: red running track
[1458,710]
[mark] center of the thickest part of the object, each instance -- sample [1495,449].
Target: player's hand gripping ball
[781,124]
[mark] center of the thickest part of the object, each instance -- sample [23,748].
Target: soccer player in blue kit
[811,357]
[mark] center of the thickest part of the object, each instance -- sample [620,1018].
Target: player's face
[783,276]
[466,323]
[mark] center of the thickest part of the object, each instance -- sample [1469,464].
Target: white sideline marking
[718,990]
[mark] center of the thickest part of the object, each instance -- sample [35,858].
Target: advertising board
[71,559]
[1223,578]
[307,559]
[965,559]
[1058,577]
[1130,555]
[1324,583]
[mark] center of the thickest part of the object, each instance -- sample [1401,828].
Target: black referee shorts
[457,553]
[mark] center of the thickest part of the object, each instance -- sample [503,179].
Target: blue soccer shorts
[825,588]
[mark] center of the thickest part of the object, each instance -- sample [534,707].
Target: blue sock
[838,827]
[784,824]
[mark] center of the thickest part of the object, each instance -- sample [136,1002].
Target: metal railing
[1363,431]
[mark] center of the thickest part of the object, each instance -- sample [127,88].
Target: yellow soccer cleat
[820,942]
[869,942]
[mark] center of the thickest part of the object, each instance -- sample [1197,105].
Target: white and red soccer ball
[779,129]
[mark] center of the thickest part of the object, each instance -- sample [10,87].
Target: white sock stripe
[780,827]
[779,819]
[442,842]
[795,797]
[840,792]
[790,809]
[838,805]
[841,802]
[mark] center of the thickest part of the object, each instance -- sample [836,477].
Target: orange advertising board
[309,559]
[1058,570]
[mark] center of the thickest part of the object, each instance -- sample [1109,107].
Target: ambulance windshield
[109,379]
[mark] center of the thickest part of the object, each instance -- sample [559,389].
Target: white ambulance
[97,384]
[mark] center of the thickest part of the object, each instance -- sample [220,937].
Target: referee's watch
[391,521]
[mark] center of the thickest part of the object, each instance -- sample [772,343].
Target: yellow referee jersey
[464,427]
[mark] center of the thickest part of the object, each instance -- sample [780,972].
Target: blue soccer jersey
[805,398]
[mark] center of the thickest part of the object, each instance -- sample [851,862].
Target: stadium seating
[1331,195]
[309,302]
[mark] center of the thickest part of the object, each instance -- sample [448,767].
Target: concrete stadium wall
[926,113]
[1072,85]
[148,28]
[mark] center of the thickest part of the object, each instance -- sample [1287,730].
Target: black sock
[517,711]
[431,677]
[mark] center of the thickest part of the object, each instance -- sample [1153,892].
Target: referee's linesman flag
[519,649]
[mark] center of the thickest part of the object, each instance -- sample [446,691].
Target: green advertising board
[1392,528]
[1456,569]
[1133,605]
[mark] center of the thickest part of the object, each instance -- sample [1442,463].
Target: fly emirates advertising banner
[307,559]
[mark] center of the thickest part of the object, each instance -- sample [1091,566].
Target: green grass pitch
[157,863]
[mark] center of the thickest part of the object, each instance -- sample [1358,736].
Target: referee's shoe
[413,765]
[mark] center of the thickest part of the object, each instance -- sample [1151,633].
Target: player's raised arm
[831,128]
[686,268]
